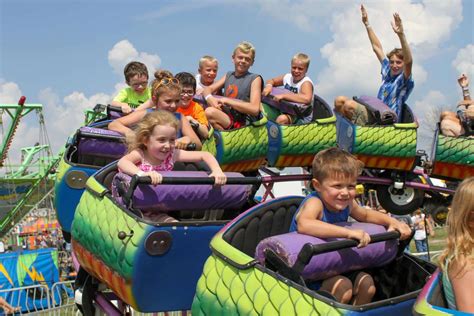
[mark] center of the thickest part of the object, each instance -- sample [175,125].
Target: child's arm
[366,215]
[208,91]
[304,97]
[463,81]
[145,105]
[189,136]
[120,99]
[274,82]
[407,58]
[309,223]
[253,106]
[128,164]
[122,124]
[462,280]
[197,156]
[376,45]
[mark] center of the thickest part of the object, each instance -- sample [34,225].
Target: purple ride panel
[323,266]
[102,147]
[168,197]
[386,114]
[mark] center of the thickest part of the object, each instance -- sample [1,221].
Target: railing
[41,300]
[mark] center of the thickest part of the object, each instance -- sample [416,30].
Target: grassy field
[436,242]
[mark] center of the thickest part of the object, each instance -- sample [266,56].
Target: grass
[435,243]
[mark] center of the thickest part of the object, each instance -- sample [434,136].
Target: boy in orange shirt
[190,109]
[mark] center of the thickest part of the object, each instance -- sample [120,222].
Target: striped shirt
[394,90]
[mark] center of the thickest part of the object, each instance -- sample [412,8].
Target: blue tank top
[328,216]
[178,117]
[447,287]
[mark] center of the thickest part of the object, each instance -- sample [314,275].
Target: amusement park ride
[24,186]
[146,264]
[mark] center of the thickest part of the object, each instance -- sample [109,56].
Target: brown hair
[397,52]
[460,238]
[335,162]
[134,68]
[145,127]
[158,88]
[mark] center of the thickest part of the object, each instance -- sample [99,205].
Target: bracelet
[367,26]
[207,96]
[465,88]
[140,173]
[269,84]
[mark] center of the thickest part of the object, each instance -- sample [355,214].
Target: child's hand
[365,18]
[221,102]
[183,142]
[463,81]
[361,236]
[156,178]
[278,98]
[402,228]
[267,90]
[219,177]
[397,24]
[126,108]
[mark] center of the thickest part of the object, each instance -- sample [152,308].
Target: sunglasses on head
[168,81]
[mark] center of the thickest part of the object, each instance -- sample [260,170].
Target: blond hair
[208,58]
[460,239]
[145,127]
[157,88]
[335,162]
[303,58]
[245,47]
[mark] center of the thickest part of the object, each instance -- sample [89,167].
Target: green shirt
[128,95]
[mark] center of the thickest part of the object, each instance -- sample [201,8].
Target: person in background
[207,73]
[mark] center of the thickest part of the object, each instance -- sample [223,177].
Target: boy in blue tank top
[335,175]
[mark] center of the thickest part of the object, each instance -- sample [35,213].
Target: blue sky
[69,55]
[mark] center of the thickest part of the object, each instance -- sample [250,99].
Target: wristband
[269,84]
[140,173]
[207,96]
[465,88]
[367,26]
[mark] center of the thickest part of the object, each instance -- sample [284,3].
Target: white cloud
[124,52]
[464,61]
[351,63]
[10,93]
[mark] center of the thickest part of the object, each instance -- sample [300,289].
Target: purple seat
[166,197]
[323,266]
[381,113]
[100,142]
[282,106]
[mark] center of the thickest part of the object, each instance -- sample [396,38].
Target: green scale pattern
[209,145]
[385,141]
[243,144]
[458,150]
[96,224]
[307,139]
[225,290]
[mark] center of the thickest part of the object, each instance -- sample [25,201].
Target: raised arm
[374,41]
[463,81]
[407,58]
